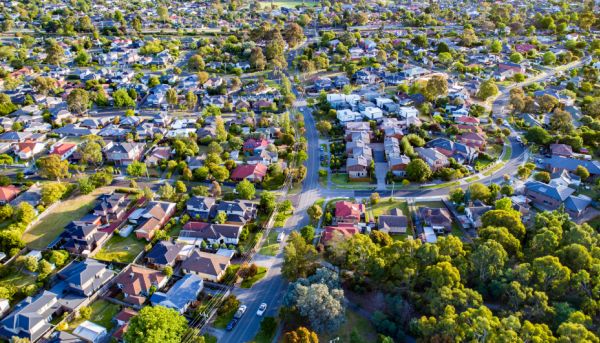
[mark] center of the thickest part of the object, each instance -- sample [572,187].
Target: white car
[261,309]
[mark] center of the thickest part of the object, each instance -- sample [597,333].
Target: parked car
[261,309]
[231,324]
[240,312]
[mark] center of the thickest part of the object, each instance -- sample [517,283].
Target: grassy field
[119,249]
[103,313]
[18,279]
[271,247]
[262,272]
[47,229]
[354,322]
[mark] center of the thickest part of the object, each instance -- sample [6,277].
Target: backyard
[103,313]
[121,249]
[50,226]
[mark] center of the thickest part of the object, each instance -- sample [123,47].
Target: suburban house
[111,207]
[237,211]
[83,236]
[154,216]
[135,282]
[8,193]
[473,212]
[164,253]
[438,219]
[123,154]
[433,158]
[394,223]
[28,150]
[251,145]
[460,152]
[551,197]
[85,277]
[64,150]
[348,212]
[196,232]
[31,317]
[561,150]
[208,266]
[202,208]
[157,155]
[472,139]
[251,172]
[557,163]
[122,319]
[341,231]
[357,167]
[181,295]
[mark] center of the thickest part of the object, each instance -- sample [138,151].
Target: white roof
[89,331]
[430,236]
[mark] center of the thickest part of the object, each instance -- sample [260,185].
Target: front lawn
[222,320]
[49,227]
[121,249]
[354,323]
[103,313]
[262,272]
[384,206]
[271,246]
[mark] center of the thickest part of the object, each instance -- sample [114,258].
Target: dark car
[231,324]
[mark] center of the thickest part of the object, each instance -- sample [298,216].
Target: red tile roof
[259,170]
[347,209]
[7,193]
[195,226]
[61,149]
[346,230]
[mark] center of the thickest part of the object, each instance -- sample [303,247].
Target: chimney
[131,275]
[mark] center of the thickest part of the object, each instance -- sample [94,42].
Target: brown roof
[138,279]
[7,193]
[206,263]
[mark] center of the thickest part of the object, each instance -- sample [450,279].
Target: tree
[299,257]
[267,202]
[191,99]
[156,324]
[314,212]
[91,151]
[122,99]
[319,303]
[220,132]
[55,54]
[487,89]
[257,59]
[52,192]
[445,58]
[167,191]
[508,219]
[538,135]
[85,312]
[82,59]
[308,233]
[457,195]
[28,262]
[43,85]
[549,274]
[171,97]
[137,169]
[52,167]
[516,57]
[245,189]
[582,172]
[78,101]
[301,335]
[163,13]
[293,34]
[417,170]
[58,257]
[221,217]
[168,271]
[547,102]
[542,176]
[436,86]
[549,58]
[85,185]
[496,46]
[324,127]
[479,191]
[469,37]
[196,63]
[374,198]
[561,121]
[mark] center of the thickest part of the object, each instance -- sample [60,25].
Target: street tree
[78,101]
[137,169]
[299,257]
[314,212]
[487,89]
[245,189]
[52,167]
[156,324]
[417,170]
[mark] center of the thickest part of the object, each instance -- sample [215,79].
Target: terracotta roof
[7,193]
[346,230]
[62,148]
[243,171]
[348,209]
[138,279]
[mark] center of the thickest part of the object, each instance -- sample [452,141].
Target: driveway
[381,169]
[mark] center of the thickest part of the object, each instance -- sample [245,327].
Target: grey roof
[577,203]
[559,193]
[181,294]
[29,313]
[164,253]
[572,163]
[90,275]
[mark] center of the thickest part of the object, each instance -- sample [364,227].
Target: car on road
[231,324]
[261,309]
[240,312]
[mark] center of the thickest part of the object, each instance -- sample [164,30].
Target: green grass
[456,231]
[288,3]
[263,336]
[354,322]
[262,272]
[493,169]
[472,178]
[49,227]
[384,206]
[442,185]
[508,153]
[432,204]
[18,279]
[103,313]
[222,320]
[595,223]
[121,249]
[342,181]
[271,246]
[208,338]
[281,219]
